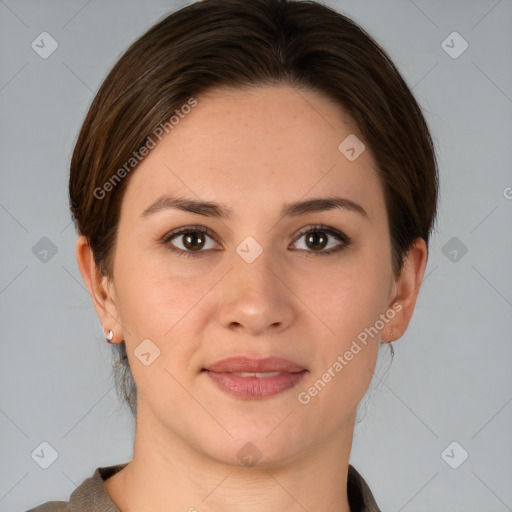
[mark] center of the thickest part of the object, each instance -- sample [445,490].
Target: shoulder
[90,495]
[51,506]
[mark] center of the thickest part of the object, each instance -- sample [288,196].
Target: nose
[255,298]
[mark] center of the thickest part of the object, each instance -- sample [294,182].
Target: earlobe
[407,288]
[97,285]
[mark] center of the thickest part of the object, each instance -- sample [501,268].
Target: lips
[247,364]
[250,378]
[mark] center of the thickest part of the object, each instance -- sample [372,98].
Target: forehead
[261,146]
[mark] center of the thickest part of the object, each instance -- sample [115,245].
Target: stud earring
[110,336]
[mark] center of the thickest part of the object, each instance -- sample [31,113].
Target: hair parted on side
[238,44]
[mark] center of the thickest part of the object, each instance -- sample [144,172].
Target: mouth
[249,378]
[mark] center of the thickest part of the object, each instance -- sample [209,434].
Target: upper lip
[248,364]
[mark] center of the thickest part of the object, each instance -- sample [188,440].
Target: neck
[167,474]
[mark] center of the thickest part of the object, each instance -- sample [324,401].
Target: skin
[253,151]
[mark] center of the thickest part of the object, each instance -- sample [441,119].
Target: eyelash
[346,241]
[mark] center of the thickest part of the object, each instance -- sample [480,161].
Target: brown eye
[316,240]
[190,240]
[193,240]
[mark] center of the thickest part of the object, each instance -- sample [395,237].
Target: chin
[266,445]
[252,453]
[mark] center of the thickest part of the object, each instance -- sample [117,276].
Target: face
[255,285]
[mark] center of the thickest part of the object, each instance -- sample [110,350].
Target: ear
[407,287]
[101,289]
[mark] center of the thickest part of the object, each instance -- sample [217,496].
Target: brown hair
[235,44]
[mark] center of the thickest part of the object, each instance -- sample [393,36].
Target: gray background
[450,380]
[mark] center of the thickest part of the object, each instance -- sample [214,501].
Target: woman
[254,187]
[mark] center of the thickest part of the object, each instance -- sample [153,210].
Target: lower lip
[256,387]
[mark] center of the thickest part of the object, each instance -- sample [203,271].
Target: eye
[193,241]
[189,240]
[317,238]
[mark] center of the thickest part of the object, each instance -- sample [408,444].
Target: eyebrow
[210,209]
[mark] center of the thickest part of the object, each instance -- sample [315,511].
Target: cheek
[154,312]
[347,298]
[154,295]
[148,308]
[345,357]
[348,304]
[164,306]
